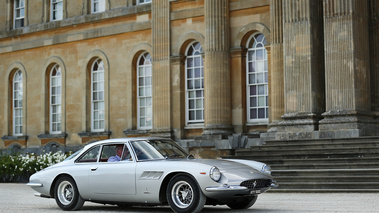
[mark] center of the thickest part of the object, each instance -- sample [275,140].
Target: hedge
[18,167]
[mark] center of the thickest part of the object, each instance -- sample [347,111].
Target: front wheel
[242,203]
[67,195]
[184,195]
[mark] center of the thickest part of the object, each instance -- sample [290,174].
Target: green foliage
[18,168]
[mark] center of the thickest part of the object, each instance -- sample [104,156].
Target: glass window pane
[253,113]
[191,115]
[253,90]
[142,112]
[148,91]
[197,84]
[199,104]
[260,78]
[253,102]
[261,101]
[261,113]
[197,61]
[259,66]
[199,94]
[199,114]
[149,101]
[189,62]
[189,73]
[191,94]
[261,90]
[252,79]
[191,104]
[190,84]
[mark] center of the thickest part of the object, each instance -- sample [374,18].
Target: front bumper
[233,190]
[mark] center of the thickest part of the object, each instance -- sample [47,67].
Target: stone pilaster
[374,55]
[276,71]
[303,69]
[217,113]
[347,69]
[161,68]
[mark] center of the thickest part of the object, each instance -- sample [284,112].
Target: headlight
[215,174]
[266,169]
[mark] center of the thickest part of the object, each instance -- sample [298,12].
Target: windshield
[73,155]
[157,149]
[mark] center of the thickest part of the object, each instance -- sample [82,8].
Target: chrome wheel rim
[182,194]
[65,192]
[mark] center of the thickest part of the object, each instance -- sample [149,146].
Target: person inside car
[117,157]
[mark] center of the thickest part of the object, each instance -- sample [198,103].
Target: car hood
[235,170]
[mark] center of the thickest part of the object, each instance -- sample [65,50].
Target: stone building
[211,74]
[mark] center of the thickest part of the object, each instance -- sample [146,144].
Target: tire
[242,203]
[67,195]
[184,195]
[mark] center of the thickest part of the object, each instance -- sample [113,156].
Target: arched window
[97,96]
[144,92]
[194,84]
[17,100]
[55,100]
[257,79]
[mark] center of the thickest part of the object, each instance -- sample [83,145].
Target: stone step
[320,165]
[261,156]
[324,141]
[313,151]
[347,190]
[325,165]
[329,185]
[318,145]
[320,178]
[326,172]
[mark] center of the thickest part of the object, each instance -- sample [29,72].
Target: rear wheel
[67,195]
[184,195]
[242,203]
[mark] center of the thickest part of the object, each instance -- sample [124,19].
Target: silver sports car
[150,171]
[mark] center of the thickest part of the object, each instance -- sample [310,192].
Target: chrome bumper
[225,188]
[34,184]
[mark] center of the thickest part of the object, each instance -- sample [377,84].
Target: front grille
[257,183]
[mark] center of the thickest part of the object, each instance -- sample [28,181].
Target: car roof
[123,140]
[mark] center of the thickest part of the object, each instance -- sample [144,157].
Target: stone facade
[321,62]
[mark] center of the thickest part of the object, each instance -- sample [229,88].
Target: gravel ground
[20,198]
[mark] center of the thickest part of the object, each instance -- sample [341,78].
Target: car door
[108,180]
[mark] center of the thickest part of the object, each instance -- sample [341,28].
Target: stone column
[347,69]
[161,68]
[217,112]
[303,68]
[374,55]
[276,95]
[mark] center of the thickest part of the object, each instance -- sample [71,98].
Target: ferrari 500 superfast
[151,171]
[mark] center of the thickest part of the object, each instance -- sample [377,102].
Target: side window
[90,156]
[115,153]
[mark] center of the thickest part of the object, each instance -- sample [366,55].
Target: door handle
[93,168]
